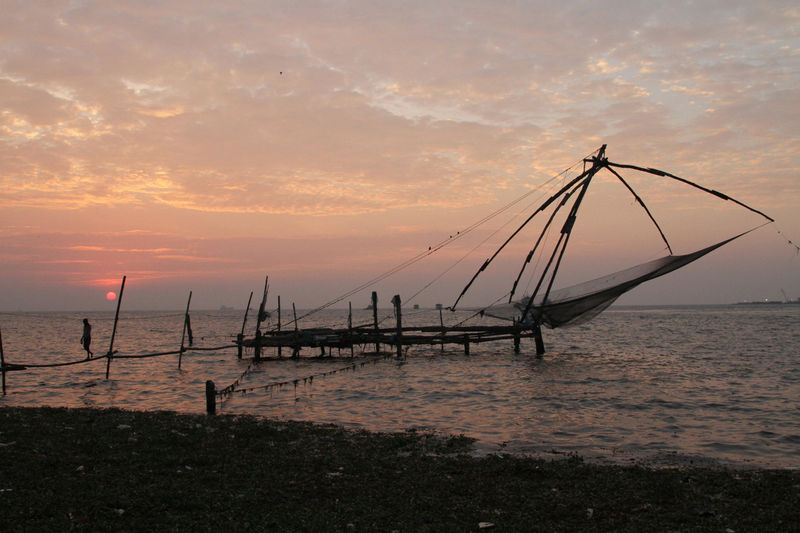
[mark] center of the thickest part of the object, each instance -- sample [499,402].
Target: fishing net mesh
[580,303]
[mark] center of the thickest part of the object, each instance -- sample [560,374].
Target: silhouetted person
[86,339]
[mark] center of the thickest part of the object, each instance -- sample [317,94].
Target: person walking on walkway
[86,339]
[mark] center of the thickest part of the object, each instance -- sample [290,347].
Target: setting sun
[111,295]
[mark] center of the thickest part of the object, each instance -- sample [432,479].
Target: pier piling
[375,321]
[537,335]
[186,324]
[2,363]
[399,334]
[244,321]
[110,353]
[211,398]
[350,328]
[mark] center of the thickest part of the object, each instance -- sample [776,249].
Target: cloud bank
[191,117]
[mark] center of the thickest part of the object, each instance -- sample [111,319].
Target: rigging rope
[116,355]
[484,241]
[435,248]
[228,391]
[789,242]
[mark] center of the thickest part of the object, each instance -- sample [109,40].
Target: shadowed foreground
[63,469]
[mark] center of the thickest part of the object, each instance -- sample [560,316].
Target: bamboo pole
[2,363]
[296,351]
[537,335]
[280,349]
[240,337]
[183,335]
[211,398]
[350,327]
[261,317]
[444,331]
[246,311]
[110,353]
[399,334]
[375,321]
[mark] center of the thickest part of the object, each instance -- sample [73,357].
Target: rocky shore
[115,470]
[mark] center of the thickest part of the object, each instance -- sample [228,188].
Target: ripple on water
[656,384]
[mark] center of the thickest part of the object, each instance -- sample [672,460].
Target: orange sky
[201,145]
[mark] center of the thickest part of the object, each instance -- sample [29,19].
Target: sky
[203,145]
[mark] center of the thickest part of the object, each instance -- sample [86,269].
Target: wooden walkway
[399,337]
[349,339]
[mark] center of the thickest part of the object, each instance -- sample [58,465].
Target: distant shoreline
[423,308]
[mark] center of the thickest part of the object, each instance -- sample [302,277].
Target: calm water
[663,386]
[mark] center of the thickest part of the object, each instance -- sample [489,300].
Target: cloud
[250,119]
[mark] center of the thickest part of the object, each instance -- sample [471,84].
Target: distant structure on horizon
[767,301]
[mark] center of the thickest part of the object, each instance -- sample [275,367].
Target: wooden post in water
[110,353]
[257,345]
[516,336]
[444,331]
[183,336]
[240,336]
[2,363]
[466,344]
[211,398]
[399,335]
[262,315]
[280,348]
[296,350]
[375,321]
[350,328]
[537,335]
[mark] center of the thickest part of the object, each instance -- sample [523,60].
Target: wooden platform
[400,339]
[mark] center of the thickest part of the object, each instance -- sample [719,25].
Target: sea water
[658,385]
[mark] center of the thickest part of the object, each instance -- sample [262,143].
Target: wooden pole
[110,353]
[240,336]
[296,350]
[537,335]
[399,334]
[466,344]
[516,336]
[2,363]
[280,348]
[257,346]
[246,311]
[183,336]
[211,398]
[375,321]
[261,317]
[350,328]
[441,322]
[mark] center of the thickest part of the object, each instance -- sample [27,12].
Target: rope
[228,391]
[90,314]
[482,311]
[490,236]
[212,349]
[115,356]
[433,249]
[788,241]
[52,365]
[230,388]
